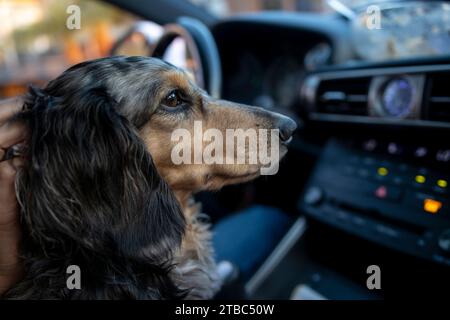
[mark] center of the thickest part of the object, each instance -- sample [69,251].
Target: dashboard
[413,94]
[382,170]
[259,70]
[304,65]
[389,182]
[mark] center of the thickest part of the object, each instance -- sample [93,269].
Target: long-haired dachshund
[99,189]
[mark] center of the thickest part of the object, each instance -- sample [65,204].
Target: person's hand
[10,135]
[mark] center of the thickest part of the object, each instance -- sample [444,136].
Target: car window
[39,39]
[223,8]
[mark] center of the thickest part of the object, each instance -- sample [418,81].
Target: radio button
[442,184]
[387,192]
[382,171]
[313,196]
[432,206]
[444,241]
[420,179]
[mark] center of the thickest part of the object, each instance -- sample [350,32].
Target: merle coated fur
[90,194]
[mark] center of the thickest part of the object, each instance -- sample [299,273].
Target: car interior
[366,177]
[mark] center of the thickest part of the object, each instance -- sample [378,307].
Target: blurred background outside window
[223,8]
[36,45]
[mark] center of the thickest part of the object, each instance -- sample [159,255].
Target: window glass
[41,38]
[223,8]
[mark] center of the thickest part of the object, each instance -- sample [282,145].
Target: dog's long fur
[98,192]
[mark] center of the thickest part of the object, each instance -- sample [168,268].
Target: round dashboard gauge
[397,98]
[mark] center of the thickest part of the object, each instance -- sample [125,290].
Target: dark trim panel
[330,27]
[311,85]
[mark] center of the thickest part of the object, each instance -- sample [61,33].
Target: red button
[381,192]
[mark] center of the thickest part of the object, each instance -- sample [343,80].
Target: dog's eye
[173,99]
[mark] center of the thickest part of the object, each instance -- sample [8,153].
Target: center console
[392,189]
[392,193]
[379,191]
[370,201]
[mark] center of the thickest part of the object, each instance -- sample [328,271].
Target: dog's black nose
[287,127]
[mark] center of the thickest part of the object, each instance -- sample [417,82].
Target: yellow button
[431,205]
[420,179]
[383,171]
[442,183]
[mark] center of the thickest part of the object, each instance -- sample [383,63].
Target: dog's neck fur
[196,256]
[185,198]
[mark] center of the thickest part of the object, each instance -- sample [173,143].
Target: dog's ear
[89,179]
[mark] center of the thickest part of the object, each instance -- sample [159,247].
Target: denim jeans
[246,238]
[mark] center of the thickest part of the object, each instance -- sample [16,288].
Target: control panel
[410,95]
[394,194]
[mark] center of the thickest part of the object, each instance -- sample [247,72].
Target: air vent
[439,98]
[343,96]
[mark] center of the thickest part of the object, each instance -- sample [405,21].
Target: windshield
[380,30]
[223,8]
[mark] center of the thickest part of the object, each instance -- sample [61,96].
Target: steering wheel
[202,50]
